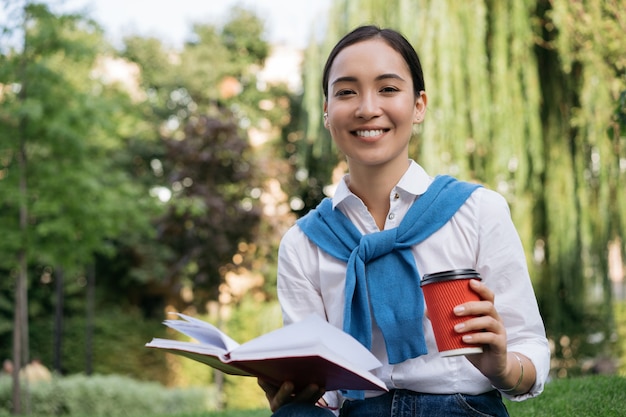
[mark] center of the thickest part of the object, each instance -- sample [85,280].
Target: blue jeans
[404,403]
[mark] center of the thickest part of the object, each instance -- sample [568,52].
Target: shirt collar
[415,181]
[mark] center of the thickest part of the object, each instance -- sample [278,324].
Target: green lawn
[603,396]
[589,396]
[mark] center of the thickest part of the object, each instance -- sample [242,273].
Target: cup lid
[450,275]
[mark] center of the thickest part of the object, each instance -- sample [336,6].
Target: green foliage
[109,396]
[200,100]
[211,210]
[56,116]
[244,35]
[118,339]
[99,150]
[581,208]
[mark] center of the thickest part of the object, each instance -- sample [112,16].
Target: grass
[582,397]
[232,413]
[586,396]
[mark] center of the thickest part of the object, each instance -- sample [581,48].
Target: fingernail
[459,327]
[459,309]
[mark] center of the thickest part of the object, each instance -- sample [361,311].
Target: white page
[186,346]
[303,336]
[202,331]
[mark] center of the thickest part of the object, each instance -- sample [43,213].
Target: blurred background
[152,154]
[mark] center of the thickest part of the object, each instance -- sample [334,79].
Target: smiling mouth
[370,133]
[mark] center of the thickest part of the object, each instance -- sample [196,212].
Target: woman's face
[371,105]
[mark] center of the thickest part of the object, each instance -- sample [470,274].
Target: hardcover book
[309,351]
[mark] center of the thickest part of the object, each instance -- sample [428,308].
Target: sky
[290,22]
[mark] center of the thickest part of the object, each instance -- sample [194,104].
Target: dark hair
[393,38]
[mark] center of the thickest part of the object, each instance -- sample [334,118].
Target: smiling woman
[358,258]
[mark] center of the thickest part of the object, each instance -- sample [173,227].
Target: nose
[368,107]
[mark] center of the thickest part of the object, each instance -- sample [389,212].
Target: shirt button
[391,216]
[396,196]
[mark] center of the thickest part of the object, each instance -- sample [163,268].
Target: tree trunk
[58,320]
[91,290]
[20,328]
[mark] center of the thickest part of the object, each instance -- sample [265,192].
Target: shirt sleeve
[298,287]
[502,263]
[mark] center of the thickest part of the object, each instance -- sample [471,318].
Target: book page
[309,336]
[203,332]
[209,355]
[187,346]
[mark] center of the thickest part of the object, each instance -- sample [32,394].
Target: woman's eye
[344,93]
[389,90]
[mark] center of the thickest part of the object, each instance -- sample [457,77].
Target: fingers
[310,394]
[482,290]
[269,389]
[483,330]
[483,325]
[279,396]
[478,308]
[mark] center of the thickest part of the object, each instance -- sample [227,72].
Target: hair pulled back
[393,38]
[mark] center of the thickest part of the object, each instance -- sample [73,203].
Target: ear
[420,108]
[325,109]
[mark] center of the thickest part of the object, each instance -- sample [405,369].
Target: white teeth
[369,133]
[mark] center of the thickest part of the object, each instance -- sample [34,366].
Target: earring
[325,115]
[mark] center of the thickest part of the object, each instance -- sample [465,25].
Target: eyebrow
[378,78]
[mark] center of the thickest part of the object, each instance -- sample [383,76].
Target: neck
[373,186]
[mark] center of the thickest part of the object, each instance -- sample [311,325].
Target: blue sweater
[381,271]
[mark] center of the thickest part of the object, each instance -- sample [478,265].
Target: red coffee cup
[442,292]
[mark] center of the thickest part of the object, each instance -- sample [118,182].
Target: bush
[117,346]
[111,396]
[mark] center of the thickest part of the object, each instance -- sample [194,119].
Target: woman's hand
[487,330]
[503,370]
[279,396]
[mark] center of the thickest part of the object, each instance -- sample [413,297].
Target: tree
[151,183]
[212,210]
[58,127]
[583,76]
[203,101]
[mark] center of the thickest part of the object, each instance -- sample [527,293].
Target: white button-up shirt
[480,235]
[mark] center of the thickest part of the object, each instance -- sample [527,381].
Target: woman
[374,94]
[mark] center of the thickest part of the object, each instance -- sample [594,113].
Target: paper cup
[442,292]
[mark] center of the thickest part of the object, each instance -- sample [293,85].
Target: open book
[309,351]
